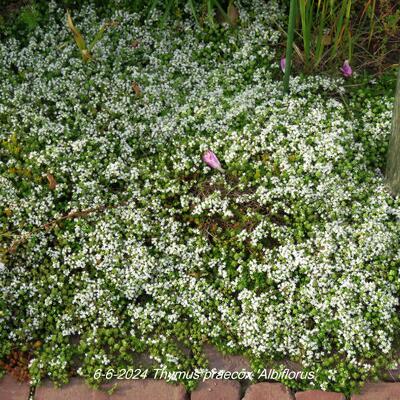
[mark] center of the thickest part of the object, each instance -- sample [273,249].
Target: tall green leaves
[393,158]
[324,23]
[289,44]
[80,41]
[323,27]
[320,36]
[306,14]
[342,25]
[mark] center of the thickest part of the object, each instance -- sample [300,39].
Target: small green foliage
[29,17]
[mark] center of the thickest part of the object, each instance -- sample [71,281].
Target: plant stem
[289,45]
[393,157]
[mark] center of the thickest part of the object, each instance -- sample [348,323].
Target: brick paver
[220,361]
[379,391]
[268,391]
[11,389]
[319,395]
[392,375]
[212,389]
[217,389]
[147,389]
[76,389]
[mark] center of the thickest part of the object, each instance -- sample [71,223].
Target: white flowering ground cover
[291,253]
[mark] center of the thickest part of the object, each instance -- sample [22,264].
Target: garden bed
[119,239]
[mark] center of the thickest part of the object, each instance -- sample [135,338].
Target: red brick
[11,389]
[392,375]
[292,365]
[216,389]
[268,391]
[319,395]
[76,389]
[379,391]
[148,389]
[220,361]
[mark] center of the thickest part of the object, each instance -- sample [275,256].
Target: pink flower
[211,160]
[346,69]
[283,64]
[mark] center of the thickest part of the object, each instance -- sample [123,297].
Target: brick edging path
[212,389]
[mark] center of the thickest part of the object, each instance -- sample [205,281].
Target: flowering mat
[120,237]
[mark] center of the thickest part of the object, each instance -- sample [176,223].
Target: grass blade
[80,41]
[193,9]
[289,44]
[99,35]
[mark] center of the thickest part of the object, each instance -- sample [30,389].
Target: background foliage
[367,32]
